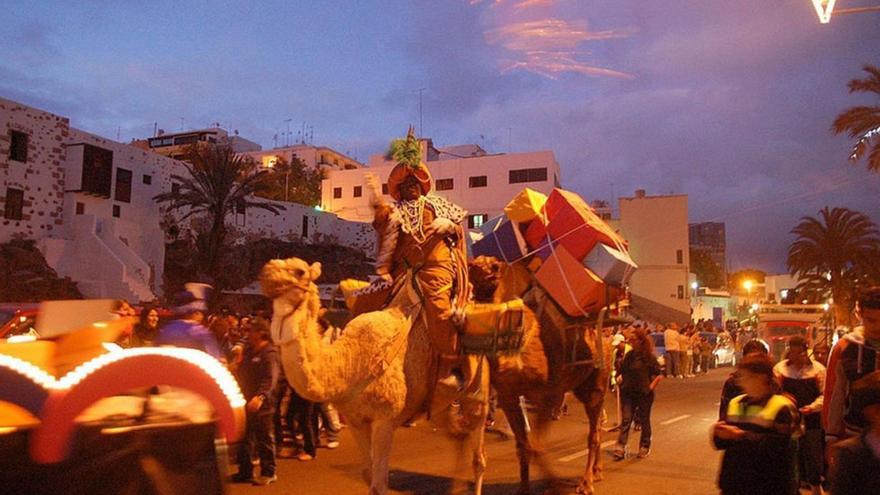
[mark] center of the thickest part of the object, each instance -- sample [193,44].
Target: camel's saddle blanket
[494,329]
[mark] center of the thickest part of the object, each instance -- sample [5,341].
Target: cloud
[549,46]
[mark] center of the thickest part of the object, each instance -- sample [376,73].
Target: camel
[555,359]
[376,373]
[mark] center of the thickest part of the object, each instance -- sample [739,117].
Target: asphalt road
[682,460]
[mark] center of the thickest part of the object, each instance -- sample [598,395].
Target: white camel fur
[345,373]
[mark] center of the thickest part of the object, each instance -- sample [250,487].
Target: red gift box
[571,221]
[575,288]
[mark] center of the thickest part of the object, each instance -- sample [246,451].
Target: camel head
[484,273]
[291,280]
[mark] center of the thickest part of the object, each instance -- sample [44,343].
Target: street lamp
[747,285]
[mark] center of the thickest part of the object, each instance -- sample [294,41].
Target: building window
[14,204]
[321,159]
[477,221]
[528,175]
[337,192]
[444,184]
[679,256]
[80,208]
[97,170]
[148,179]
[19,146]
[239,208]
[123,185]
[358,191]
[385,188]
[186,139]
[681,292]
[117,210]
[304,232]
[478,181]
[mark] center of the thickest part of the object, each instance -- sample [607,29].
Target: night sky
[727,101]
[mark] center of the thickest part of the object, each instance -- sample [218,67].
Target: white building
[175,144]
[88,202]
[479,182]
[312,156]
[656,228]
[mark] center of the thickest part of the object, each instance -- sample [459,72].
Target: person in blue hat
[187,330]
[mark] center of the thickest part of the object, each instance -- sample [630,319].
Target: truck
[777,323]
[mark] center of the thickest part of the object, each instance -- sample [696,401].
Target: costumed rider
[422,232]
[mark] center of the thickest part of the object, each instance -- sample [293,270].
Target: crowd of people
[280,423]
[797,423]
[810,420]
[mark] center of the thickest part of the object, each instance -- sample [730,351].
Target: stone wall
[41,177]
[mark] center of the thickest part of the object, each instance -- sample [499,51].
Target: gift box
[490,225]
[505,242]
[569,220]
[525,206]
[611,265]
[574,287]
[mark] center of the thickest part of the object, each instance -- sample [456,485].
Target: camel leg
[380,453]
[592,399]
[517,421]
[540,429]
[362,438]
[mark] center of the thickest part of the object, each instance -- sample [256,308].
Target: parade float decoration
[44,394]
[577,258]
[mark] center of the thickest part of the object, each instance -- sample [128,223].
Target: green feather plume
[406,151]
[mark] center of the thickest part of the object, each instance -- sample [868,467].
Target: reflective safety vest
[739,411]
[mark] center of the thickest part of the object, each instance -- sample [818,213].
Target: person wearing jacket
[639,375]
[804,380]
[258,377]
[857,459]
[855,356]
[756,435]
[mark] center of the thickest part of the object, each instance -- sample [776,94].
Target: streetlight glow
[748,284]
[695,285]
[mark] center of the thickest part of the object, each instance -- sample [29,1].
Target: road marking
[583,453]
[675,419]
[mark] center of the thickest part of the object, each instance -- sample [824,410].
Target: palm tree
[217,183]
[834,255]
[862,123]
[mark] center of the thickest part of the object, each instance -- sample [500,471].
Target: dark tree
[862,123]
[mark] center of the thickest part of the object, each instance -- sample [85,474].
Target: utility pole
[421,129]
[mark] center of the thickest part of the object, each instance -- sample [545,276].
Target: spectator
[187,330]
[258,376]
[706,354]
[686,351]
[854,357]
[639,376]
[147,328]
[804,380]
[731,389]
[756,435]
[670,341]
[857,460]
[820,353]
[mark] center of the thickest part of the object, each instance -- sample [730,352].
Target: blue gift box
[504,241]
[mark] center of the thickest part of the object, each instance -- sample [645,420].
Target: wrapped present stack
[580,261]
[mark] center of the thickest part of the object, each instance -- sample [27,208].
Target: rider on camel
[422,232]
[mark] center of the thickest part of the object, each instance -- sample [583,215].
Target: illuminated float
[46,386]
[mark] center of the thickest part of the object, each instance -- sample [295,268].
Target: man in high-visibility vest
[757,435]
